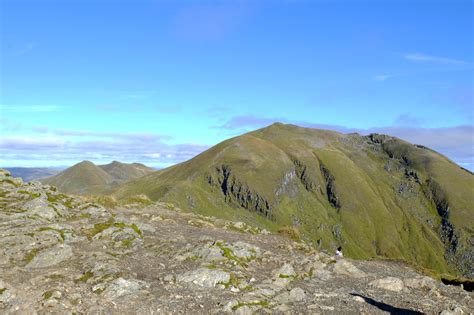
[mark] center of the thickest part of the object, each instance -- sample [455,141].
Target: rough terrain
[64,255]
[375,195]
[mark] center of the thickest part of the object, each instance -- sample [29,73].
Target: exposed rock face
[330,187]
[238,193]
[155,258]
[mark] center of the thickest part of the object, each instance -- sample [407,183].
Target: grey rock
[286,270]
[346,268]
[420,283]
[295,295]
[209,252]
[454,311]
[40,207]
[121,287]
[205,277]
[51,257]
[245,251]
[389,283]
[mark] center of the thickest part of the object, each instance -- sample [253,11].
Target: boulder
[295,295]
[51,257]
[389,283]
[204,277]
[346,268]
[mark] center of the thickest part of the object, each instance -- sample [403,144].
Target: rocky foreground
[64,255]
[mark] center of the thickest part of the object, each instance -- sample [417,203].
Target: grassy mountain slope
[88,178]
[376,196]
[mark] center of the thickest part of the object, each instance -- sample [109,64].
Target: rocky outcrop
[237,193]
[330,187]
[157,258]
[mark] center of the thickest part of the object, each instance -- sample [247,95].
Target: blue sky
[159,81]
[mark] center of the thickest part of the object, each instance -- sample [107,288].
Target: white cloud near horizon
[455,142]
[30,108]
[418,57]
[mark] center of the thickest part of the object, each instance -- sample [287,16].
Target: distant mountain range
[88,178]
[376,195]
[33,173]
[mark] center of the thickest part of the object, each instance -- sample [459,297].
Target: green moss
[60,232]
[233,282]
[136,229]
[47,295]
[55,276]
[98,228]
[99,291]
[127,242]
[263,304]
[30,255]
[2,290]
[192,258]
[86,276]
[229,254]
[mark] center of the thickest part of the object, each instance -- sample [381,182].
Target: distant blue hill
[33,173]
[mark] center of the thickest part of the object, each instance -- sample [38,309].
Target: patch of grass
[211,266]
[86,276]
[292,232]
[229,254]
[55,276]
[263,304]
[98,228]
[106,201]
[60,232]
[30,255]
[192,258]
[136,229]
[127,242]
[47,295]
[233,282]
[142,200]
[99,291]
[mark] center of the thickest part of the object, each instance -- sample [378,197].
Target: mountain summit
[375,195]
[87,178]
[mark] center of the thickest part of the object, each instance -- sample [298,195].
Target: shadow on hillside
[386,307]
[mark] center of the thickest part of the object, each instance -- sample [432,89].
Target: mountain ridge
[376,195]
[87,178]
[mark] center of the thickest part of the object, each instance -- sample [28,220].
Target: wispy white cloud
[116,135]
[383,77]
[418,57]
[53,150]
[30,108]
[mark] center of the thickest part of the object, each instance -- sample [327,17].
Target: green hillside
[88,178]
[376,195]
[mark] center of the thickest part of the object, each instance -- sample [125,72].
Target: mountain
[375,195]
[32,173]
[63,254]
[88,178]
